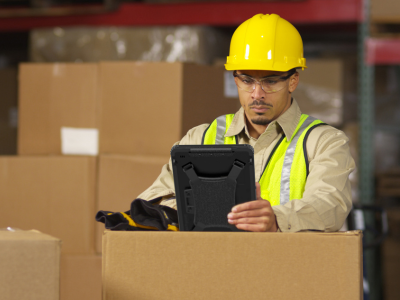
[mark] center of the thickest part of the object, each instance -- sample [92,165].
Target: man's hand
[254,215]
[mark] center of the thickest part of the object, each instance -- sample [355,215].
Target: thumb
[258,191]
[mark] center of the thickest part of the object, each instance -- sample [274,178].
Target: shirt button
[289,226]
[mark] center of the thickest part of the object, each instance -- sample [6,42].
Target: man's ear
[293,82]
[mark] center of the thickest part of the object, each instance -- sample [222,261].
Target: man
[301,164]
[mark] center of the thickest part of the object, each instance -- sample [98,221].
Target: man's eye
[247,81]
[271,81]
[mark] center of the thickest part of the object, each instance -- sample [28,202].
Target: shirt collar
[288,121]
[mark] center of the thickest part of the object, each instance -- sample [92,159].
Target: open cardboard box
[234,265]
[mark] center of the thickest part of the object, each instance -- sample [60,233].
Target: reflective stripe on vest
[284,177]
[214,134]
[286,170]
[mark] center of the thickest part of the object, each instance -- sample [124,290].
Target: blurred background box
[385,11]
[391,268]
[52,96]
[320,90]
[121,179]
[8,111]
[80,277]
[55,195]
[198,44]
[118,98]
[148,106]
[29,265]
[391,256]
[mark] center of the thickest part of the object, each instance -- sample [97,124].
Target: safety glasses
[270,84]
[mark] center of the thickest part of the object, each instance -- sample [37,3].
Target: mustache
[259,103]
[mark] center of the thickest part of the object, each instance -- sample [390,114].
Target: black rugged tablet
[209,181]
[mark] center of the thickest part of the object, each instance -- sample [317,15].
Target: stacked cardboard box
[137,110]
[121,178]
[55,195]
[320,92]
[132,112]
[137,107]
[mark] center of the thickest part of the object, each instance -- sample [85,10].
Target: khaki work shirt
[326,200]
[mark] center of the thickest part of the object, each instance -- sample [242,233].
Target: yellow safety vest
[285,173]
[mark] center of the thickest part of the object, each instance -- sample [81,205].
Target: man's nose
[258,92]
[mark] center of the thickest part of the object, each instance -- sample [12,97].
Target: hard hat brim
[234,67]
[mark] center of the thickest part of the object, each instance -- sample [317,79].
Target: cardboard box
[80,277]
[140,108]
[52,96]
[146,107]
[240,265]
[55,195]
[385,11]
[320,92]
[29,265]
[121,179]
[198,44]
[8,111]
[391,268]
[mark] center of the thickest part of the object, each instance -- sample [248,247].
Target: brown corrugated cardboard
[146,107]
[320,91]
[121,179]
[8,111]
[80,277]
[29,265]
[385,11]
[55,195]
[391,255]
[391,268]
[52,96]
[242,265]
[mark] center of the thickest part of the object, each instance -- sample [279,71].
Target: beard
[260,119]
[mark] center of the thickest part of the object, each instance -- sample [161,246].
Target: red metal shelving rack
[382,51]
[209,13]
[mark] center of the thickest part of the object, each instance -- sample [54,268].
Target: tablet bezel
[212,161]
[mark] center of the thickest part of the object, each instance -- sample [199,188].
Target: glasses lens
[273,84]
[246,83]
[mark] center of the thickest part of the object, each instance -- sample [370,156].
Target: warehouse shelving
[209,13]
[382,51]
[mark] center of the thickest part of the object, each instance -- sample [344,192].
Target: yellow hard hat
[266,42]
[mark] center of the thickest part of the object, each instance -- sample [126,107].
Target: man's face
[262,107]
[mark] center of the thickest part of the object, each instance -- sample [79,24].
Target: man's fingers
[251,227]
[265,211]
[256,204]
[258,191]
[250,220]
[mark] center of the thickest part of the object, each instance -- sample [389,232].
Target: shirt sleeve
[164,186]
[326,201]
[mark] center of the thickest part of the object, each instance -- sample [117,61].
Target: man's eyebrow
[265,77]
